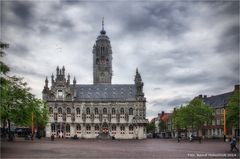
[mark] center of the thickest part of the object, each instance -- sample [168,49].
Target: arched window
[78,127]
[96,110]
[88,128]
[60,110]
[68,128]
[88,110]
[52,127]
[78,110]
[50,110]
[114,128]
[113,111]
[104,110]
[130,129]
[68,111]
[96,128]
[131,111]
[121,111]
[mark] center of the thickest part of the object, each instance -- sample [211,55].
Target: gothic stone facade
[101,108]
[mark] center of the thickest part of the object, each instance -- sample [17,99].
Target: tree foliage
[232,114]
[193,115]
[18,105]
[151,127]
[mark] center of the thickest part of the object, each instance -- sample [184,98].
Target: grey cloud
[27,71]
[19,50]
[173,102]
[229,40]
[23,10]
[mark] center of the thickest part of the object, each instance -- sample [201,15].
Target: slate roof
[218,100]
[106,92]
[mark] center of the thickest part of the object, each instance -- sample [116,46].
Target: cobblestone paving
[141,149]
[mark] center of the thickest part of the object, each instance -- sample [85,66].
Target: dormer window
[60,94]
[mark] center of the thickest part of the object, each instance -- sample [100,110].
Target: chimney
[162,113]
[237,87]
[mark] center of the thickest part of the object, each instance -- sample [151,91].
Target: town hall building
[101,109]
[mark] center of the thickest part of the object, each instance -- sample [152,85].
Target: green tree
[193,115]
[151,127]
[18,105]
[232,113]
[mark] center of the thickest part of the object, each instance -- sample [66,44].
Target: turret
[57,70]
[74,81]
[139,84]
[46,82]
[63,71]
[68,79]
[45,89]
[52,79]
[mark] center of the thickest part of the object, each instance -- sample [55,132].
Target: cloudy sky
[182,49]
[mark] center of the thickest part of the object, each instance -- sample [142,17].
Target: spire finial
[102,23]
[103,32]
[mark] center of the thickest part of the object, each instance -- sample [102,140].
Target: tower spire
[103,32]
[102,23]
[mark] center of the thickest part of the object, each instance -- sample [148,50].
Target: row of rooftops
[216,101]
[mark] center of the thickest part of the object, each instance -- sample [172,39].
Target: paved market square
[141,149]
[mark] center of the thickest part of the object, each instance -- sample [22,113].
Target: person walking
[179,138]
[52,137]
[233,145]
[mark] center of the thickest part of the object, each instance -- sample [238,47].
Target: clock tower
[102,59]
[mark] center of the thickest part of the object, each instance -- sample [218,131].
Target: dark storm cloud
[162,17]
[19,50]
[27,71]
[23,10]
[229,40]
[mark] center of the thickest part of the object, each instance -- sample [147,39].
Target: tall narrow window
[113,111]
[130,129]
[78,111]
[96,111]
[68,128]
[104,110]
[113,127]
[53,128]
[88,110]
[96,129]
[59,110]
[51,110]
[78,127]
[122,111]
[122,128]
[88,129]
[131,111]
[68,111]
